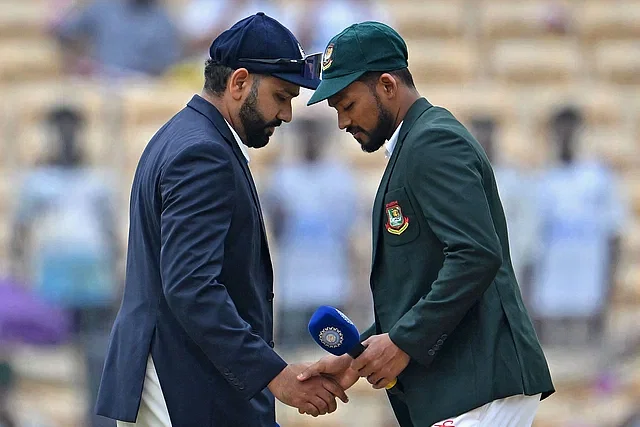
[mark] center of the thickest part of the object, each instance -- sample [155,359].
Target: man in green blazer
[449,319]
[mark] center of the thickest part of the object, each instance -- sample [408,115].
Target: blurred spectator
[317,21]
[120,37]
[311,206]
[6,383]
[581,221]
[65,241]
[313,21]
[204,20]
[24,319]
[556,18]
[517,192]
[633,421]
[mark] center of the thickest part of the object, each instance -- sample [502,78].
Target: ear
[239,83]
[388,86]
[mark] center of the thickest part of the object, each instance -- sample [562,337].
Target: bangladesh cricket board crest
[397,223]
[331,337]
[326,58]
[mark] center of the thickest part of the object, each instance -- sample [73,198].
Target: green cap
[367,46]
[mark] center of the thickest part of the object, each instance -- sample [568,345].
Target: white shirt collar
[391,143]
[243,147]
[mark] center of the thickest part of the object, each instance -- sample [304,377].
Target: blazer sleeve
[370,331]
[197,191]
[445,174]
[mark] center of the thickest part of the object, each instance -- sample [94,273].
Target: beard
[380,133]
[255,126]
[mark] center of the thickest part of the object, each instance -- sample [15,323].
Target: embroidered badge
[396,222]
[331,337]
[326,58]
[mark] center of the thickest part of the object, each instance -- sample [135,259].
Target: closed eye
[348,107]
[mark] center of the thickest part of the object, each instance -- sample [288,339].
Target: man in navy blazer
[192,344]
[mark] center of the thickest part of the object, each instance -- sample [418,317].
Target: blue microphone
[336,333]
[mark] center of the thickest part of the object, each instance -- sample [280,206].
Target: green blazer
[442,281]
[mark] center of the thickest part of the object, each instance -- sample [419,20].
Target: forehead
[354,90]
[274,83]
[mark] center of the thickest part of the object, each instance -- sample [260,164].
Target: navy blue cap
[262,45]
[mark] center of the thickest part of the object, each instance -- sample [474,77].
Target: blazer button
[431,352]
[270,296]
[241,387]
[439,342]
[272,344]
[444,336]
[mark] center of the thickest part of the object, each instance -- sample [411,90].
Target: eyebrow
[336,101]
[290,92]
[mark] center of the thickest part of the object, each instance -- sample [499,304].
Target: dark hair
[568,113]
[65,113]
[484,122]
[404,75]
[216,77]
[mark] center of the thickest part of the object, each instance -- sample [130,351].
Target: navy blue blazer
[199,283]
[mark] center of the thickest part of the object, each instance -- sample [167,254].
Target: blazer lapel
[205,108]
[416,110]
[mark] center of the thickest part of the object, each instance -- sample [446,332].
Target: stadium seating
[474,99]
[436,19]
[618,61]
[533,61]
[437,61]
[515,61]
[28,61]
[521,19]
[26,20]
[608,20]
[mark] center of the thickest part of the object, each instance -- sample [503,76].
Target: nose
[343,121]
[285,114]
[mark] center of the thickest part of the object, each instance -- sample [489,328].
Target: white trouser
[153,410]
[514,411]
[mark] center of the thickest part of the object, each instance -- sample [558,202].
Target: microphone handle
[356,351]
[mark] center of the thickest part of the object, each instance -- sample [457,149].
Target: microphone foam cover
[333,331]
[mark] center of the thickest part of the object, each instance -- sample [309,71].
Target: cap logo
[326,59]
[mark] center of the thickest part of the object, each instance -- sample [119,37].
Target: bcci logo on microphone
[331,337]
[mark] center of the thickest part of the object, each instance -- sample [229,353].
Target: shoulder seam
[204,143]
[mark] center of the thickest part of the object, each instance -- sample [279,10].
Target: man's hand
[381,362]
[337,367]
[316,396]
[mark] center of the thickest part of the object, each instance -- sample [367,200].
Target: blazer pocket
[399,223]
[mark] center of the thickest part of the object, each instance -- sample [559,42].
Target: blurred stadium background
[513,63]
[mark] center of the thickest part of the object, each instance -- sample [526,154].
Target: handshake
[314,388]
